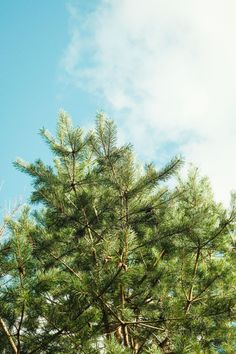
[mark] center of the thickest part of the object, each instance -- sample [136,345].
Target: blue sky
[165,72]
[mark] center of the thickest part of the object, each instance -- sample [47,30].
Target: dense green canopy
[114,260]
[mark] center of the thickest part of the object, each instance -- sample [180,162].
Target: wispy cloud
[167,69]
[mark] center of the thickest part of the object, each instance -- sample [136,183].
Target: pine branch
[221,229]
[190,294]
[86,307]
[9,336]
[65,264]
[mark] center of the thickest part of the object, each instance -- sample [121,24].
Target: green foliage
[113,260]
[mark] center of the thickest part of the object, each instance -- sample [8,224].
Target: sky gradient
[164,70]
[34,36]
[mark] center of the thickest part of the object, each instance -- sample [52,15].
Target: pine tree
[113,260]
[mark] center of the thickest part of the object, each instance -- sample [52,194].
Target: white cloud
[167,68]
